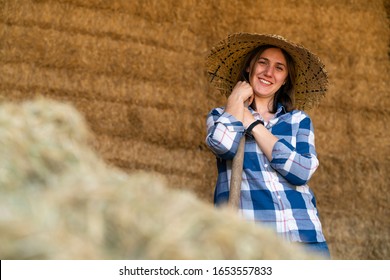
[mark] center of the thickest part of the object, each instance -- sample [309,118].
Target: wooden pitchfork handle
[236,175]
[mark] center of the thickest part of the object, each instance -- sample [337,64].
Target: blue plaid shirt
[274,193]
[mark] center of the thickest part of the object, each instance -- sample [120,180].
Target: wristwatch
[249,129]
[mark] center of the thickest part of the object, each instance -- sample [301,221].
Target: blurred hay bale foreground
[59,200]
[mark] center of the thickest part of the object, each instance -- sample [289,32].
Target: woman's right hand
[242,92]
[242,95]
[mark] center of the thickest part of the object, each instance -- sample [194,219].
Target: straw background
[135,69]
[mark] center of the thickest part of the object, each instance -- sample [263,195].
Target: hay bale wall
[135,69]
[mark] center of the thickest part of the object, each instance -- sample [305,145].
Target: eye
[262,61]
[280,67]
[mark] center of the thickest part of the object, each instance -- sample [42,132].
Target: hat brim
[226,60]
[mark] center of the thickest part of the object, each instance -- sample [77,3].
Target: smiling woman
[267,75]
[271,62]
[279,152]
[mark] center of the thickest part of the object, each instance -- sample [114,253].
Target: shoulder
[300,114]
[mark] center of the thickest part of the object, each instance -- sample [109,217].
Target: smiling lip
[265,82]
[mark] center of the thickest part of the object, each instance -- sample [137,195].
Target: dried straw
[59,200]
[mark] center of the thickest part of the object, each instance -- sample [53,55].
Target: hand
[238,101]
[242,92]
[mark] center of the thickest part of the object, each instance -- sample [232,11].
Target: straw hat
[226,60]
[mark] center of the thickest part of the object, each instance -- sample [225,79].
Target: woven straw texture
[136,71]
[226,59]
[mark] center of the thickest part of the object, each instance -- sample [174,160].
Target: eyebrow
[278,63]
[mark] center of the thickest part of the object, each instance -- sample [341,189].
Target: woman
[274,77]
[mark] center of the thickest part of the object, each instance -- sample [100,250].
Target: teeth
[265,82]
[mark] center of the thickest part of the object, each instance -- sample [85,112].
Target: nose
[268,71]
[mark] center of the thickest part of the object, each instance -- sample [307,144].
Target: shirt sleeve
[297,163]
[224,132]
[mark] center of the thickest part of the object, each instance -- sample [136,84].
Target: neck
[264,107]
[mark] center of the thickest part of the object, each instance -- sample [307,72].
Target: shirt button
[265,165]
[279,197]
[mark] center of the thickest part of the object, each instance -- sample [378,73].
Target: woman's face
[269,72]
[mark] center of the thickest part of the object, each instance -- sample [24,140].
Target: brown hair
[285,95]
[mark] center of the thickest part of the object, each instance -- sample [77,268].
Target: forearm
[295,166]
[224,132]
[265,140]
